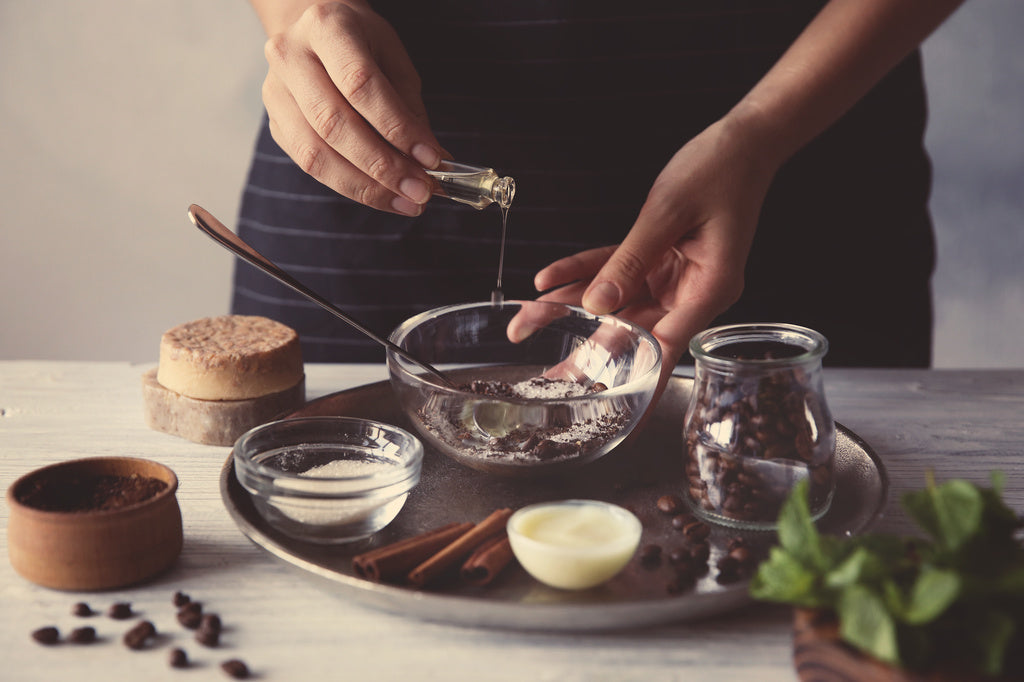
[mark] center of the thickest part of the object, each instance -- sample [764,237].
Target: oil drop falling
[497,295]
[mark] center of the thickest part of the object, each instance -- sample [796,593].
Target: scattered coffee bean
[137,637]
[741,554]
[180,599]
[235,668]
[697,531]
[683,580]
[47,635]
[679,557]
[210,621]
[84,635]
[191,615]
[120,611]
[178,658]
[82,609]
[680,521]
[208,638]
[650,556]
[701,552]
[670,504]
[729,570]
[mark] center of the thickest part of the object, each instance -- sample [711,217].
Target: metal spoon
[216,230]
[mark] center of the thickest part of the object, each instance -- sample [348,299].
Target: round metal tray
[634,475]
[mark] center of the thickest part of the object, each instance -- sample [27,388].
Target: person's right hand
[343,99]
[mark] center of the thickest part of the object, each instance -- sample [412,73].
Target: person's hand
[682,262]
[344,103]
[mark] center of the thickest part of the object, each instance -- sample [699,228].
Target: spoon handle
[219,232]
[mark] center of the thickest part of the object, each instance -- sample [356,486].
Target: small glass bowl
[328,480]
[606,368]
[574,544]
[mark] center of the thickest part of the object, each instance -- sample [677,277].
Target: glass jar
[473,185]
[758,423]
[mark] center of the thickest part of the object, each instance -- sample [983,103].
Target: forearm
[840,56]
[277,15]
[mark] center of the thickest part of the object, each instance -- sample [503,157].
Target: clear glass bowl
[539,387]
[328,480]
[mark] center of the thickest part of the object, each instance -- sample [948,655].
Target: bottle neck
[503,190]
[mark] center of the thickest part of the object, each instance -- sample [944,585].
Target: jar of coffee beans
[757,423]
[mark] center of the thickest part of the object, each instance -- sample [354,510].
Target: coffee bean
[177,658]
[685,578]
[729,570]
[120,611]
[741,554]
[546,449]
[700,552]
[82,609]
[47,635]
[680,521]
[235,668]
[650,556]
[679,557]
[191,615]
[85,635]
[680,583]
[138,636]
[697,531]
[670,504]
[208,638]
[180,599]
[211,621]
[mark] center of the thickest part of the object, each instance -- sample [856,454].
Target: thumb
[621,277]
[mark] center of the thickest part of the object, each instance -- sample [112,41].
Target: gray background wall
[115,116]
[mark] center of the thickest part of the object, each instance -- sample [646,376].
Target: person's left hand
[682,262]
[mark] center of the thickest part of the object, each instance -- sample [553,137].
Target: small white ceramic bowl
[574,544]
[328,480]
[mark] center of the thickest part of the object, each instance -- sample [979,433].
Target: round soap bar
[231,357]
[574,544]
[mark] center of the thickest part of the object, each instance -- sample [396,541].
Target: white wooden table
[958,423]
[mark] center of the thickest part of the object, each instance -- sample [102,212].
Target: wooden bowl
[59,536]
[821,656]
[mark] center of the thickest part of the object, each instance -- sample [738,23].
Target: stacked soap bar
[220,376]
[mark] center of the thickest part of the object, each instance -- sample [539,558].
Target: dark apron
[583,103]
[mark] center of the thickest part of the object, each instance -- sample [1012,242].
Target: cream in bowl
[574,544]
[328,479]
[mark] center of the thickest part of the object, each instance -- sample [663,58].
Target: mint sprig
[954,596]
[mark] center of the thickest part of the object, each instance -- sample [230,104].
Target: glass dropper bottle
[476,186]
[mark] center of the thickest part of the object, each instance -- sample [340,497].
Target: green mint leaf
[991,635]
[862,565]
[931,594]
[950,513]
[797,534]
[865,623]
[782,578]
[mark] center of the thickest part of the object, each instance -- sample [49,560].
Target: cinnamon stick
[487,561]
[392,562]
[458,550]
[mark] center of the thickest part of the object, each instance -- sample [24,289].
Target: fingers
[580,266]
[343,99]
[644,248]
[533,315]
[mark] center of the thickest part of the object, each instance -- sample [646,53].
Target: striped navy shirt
[583,102]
